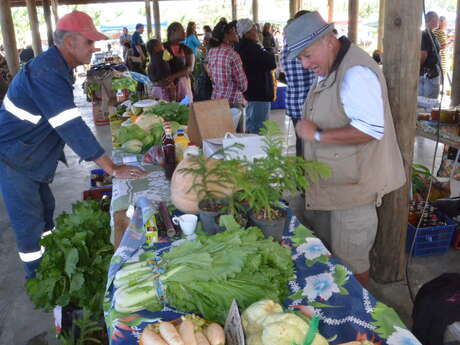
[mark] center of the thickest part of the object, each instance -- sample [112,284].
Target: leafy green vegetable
[127,133]
[171,112]
[204,276]
[133,146]
[75,263]
[157,134]
[124,84]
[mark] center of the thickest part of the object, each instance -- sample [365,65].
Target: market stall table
[125,192]
[347,310]
[448,133]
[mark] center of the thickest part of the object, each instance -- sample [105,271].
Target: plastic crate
[97,193]
[280,101]
[433,240]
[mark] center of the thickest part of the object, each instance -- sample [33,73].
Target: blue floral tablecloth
[347,311]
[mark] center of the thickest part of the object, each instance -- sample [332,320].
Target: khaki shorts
[349,233]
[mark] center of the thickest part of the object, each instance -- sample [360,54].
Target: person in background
[441,36]
[260,36]
[299,81]
[37,119]
[347,124]
[430,77]
[158,71]
[223,19]
[26,54]
[138,46]
[125,37]
[207,35]
[258,65]
[377,56]
[181,60]
[224,65]
[138,59]
[192,40]
[278,38]
[268,39]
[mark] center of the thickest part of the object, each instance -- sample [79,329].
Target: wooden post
[330,11]
[455,97]
[9,37]
[49,24]
[402,29]
[33,21]
[294,7]
[353,9]
[54,6]
[381,25]
[234,9]
[156,19]
[148,15]
[255,11]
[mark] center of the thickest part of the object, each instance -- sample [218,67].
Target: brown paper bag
[209,119]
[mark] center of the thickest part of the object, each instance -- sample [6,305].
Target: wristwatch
[317,135]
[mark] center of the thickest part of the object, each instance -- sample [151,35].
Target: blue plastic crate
[433,240]
[280,102]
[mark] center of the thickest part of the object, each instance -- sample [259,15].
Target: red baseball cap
[82,23]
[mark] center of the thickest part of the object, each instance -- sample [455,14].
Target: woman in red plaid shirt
[224,65]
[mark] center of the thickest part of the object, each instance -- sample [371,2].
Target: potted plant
[265,180]
[214,181]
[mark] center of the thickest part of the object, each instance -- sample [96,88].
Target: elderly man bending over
[346,124]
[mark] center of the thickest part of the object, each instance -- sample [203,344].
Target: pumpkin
[182,196]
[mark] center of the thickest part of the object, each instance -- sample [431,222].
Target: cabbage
[146,122]
[148,140]
[126,133]
[133,146]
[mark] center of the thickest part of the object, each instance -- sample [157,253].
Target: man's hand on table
[119,171]
[128,171]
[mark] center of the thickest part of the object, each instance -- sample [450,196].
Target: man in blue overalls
[37,118]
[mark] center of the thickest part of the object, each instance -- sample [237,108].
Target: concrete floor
[20,324]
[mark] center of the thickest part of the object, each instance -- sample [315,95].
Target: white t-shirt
[361,96]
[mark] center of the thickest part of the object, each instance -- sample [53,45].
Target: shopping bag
[251,146]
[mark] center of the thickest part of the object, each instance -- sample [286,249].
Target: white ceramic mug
[187,223]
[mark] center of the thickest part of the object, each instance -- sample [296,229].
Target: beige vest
[361,174]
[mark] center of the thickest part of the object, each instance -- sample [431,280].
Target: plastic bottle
[169,152]
[181,141]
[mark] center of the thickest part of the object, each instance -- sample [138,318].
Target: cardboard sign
[209,119]
[234,334]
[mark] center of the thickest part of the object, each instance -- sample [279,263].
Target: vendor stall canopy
[18,3]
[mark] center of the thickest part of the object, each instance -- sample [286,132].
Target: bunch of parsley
[74,266]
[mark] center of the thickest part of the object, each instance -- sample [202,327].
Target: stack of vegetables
[205,275]
[147,130]
[191,330]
